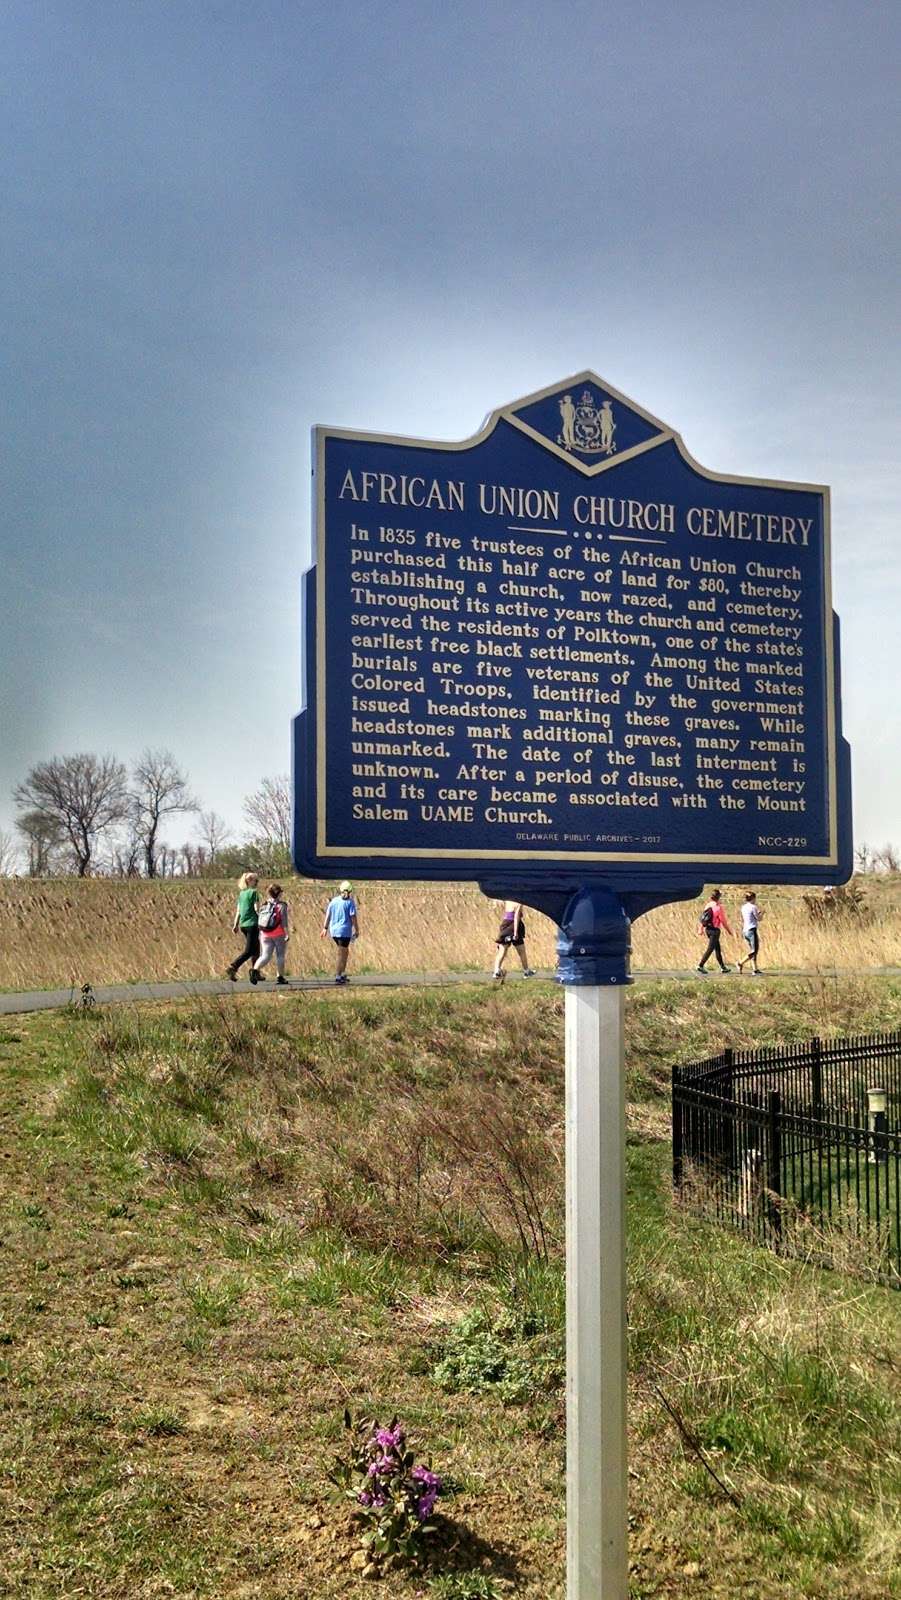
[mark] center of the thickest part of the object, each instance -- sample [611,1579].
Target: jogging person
[713,921]
[342,923]
[750,924]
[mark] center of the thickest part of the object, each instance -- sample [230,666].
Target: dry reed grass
[57,932]
[667,937]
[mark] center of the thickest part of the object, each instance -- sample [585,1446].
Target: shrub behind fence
[789,1146]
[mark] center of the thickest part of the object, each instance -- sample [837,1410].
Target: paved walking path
[55,999]
[104,994]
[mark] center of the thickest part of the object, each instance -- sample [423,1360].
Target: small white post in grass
[596,1472]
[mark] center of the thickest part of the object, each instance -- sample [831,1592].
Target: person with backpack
[342,923]
[245,922]
[274,934]
[713,921]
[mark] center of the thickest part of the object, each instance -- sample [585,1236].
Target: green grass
[225,1223]
[464,1586]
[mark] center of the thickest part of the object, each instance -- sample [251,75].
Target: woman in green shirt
[246,909]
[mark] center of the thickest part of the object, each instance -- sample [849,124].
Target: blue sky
[223,223]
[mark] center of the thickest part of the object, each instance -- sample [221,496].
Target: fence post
[785,1155]
[727,1115]
[816,1078]
[677,1129]
[774,1158]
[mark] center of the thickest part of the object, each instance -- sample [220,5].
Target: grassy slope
[224,1224]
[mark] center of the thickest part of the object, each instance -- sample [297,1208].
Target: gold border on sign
[666,434]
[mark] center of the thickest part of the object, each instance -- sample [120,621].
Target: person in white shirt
[751,915]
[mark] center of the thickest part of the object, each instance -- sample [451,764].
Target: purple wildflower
[365,1498]
[426,1505]
[422,1475]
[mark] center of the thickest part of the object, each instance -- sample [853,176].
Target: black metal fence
[799,1148]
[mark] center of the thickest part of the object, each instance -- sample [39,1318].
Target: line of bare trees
[886,859]
[89,815]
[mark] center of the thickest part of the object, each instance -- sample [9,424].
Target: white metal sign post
[593,950]
[596,1476]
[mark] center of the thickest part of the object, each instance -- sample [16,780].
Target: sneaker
[703,971]
[341,977]
[282,981]
[724,970]
[528,972]
[498,976]
[231,975]
[254,976]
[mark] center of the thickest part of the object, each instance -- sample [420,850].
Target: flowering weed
[392,1495]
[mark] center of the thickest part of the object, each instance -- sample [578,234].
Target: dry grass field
[56,932]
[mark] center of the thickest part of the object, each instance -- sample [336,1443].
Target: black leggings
[251,947]
[713,948]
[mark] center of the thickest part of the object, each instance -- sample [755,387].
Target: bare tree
[863,856]
[125,857]
[194,860]
[9,854]
[168,862]
[161,788]
[43,837]
[83,795]
[199,859]
[888,859]
[213,831]
[269,811]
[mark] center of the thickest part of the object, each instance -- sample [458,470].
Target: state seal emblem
[587,426]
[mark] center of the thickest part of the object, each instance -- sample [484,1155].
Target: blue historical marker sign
[563,652]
